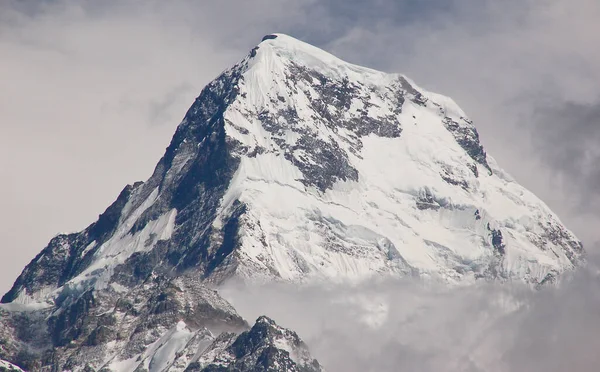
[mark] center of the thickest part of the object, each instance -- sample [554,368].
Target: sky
[92,91]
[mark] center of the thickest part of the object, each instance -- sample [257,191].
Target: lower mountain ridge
[159,325]
[290,166]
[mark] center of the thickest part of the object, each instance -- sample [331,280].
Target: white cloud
[413,326]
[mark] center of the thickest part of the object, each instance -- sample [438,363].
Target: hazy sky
[91,91]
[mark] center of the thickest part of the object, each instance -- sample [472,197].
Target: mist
[412,325]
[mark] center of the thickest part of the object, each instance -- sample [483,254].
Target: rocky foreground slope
[158,325]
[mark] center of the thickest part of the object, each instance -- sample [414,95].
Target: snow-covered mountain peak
[278,52]
[291,165]
[346,157]
[296,165]
[286,48]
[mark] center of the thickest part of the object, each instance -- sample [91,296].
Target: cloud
[567,136]
[415,326]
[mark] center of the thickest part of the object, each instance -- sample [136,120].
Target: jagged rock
[118,323]
[265,347]
[8,367]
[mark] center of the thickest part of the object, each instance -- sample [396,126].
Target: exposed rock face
[8,367]
[265,347]
[161,325]
[291,165]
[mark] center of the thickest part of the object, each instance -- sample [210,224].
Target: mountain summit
[291,165]
[295,165]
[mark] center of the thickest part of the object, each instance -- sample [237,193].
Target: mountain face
[159,325]
[291,165]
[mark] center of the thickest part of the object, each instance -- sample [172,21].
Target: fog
[409,325]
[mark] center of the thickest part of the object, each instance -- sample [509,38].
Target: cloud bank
[415,326]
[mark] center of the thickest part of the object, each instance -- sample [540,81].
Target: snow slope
[349,172]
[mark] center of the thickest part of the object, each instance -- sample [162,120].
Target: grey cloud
[159,109]
[415,326]
[568,139]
